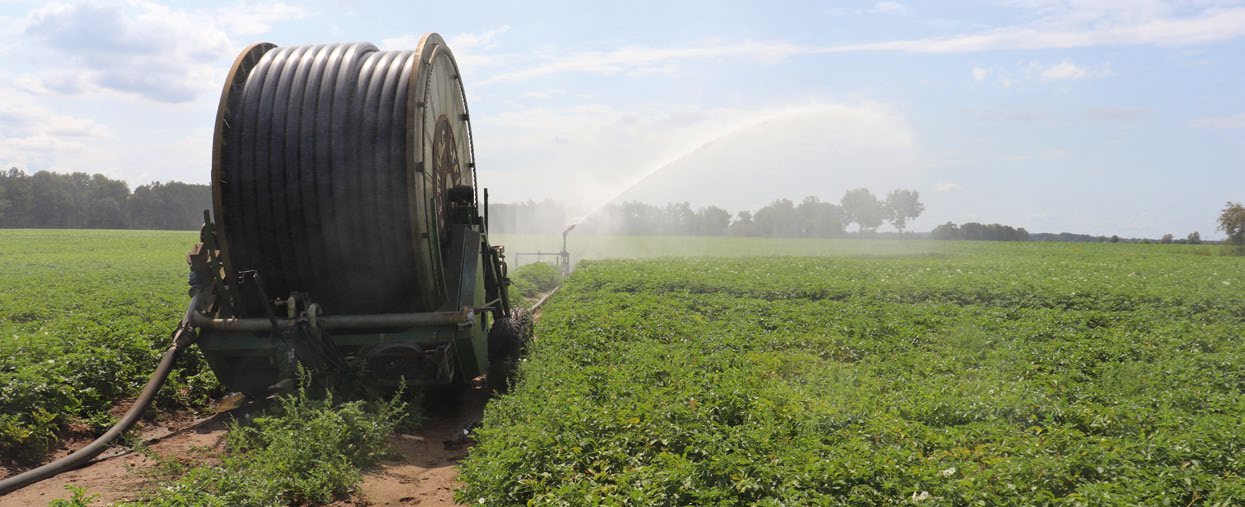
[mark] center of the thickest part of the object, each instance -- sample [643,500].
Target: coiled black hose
[182,338]
[324,174]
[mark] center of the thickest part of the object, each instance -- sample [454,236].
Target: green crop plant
[1013,374]
[79,497]
[847,372]
[529,281]
[308,451]
[84,318]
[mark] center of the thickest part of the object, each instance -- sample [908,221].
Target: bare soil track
[121,474]
[420,469]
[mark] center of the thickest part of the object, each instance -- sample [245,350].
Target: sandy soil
[419,471]
[422,470]
[120,474]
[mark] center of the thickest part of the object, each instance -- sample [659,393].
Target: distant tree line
[48,200]
[1193,238]
[83,201]
[974,231]
[811,217]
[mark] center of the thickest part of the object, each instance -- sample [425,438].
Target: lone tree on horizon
[1232,223]
[862,208]
[901,206]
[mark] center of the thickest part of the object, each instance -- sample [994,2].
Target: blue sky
[1100,116]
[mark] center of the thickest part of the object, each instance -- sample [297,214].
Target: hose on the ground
[182,338]
[542,301]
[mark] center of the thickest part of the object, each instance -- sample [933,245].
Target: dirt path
[423,468]
[120,474]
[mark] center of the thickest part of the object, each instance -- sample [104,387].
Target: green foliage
[81,201]
[84,318]
[988,374]
[901,206]
[974,231]
[862,208]
[79,498]
[532,280]
[1232,223]
[308,452]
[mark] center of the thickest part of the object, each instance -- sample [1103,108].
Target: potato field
[732,371]
[84,317]
[988,374]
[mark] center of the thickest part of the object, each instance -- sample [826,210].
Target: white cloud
[1056,28]
[23,120]
[1011,115]
[1235,121]
[1064,71]
[630,59]
[1210,25]
[473,40]
[139,47]
[471,49]
[1024,73]
[885,8]
[36,136]
[460,43]
[1116,113]
[890,8]
[946,186]
[252,18]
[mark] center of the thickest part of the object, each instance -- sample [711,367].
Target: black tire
[507,340]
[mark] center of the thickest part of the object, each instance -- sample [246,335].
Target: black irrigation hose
[317,182]
[182,338]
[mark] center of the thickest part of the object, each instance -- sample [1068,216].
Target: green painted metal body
[253,362]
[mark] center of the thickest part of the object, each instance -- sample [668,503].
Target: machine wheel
[507,340]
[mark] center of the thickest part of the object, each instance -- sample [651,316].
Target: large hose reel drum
[331,173]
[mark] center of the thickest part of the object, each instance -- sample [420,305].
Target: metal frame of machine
[255,354]
[462,279]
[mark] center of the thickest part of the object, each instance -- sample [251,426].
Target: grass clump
[307,452]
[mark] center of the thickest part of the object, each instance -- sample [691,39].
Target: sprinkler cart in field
[561,259]
[347,231]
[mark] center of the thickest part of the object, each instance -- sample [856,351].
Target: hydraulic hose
[182,338]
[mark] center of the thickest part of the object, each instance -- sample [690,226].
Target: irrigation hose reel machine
[348,232]
[348,226]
